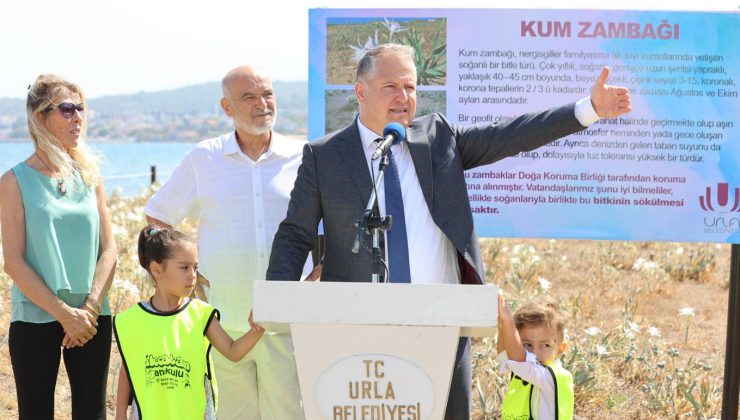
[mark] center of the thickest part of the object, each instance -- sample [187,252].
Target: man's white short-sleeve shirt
[238,204]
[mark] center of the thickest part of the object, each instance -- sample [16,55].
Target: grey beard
[264,129]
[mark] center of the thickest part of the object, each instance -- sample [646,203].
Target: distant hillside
[189,113]
[195,99]
[11,106]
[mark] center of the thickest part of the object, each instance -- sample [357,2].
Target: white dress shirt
[238,204]
[432,257]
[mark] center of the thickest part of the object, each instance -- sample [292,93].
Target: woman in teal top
[59,251]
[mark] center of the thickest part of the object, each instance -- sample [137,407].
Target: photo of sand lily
[347,40]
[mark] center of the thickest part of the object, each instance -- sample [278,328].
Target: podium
[375,351]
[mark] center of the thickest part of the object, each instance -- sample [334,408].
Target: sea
[126,167]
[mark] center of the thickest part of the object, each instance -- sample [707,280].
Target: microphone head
[396,130]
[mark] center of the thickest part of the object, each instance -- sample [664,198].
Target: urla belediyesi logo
[720,203]
[724,201]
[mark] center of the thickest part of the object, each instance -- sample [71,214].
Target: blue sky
[120,47]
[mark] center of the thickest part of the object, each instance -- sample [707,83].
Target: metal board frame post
[731,388]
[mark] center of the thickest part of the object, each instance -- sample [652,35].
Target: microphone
[393,133]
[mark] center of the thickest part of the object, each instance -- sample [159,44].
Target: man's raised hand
[609,101]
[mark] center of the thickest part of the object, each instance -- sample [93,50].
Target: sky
[120,47]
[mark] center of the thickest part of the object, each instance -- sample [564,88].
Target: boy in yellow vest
[530,344]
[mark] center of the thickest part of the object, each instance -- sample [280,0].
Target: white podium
[375,351]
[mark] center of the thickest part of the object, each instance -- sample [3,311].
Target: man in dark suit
[334,184]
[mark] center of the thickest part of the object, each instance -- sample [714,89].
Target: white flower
[393,27]
[536,259]
[514,260]
[642,264]
[601,350]
[632,326]
[544,283]
[564,258]
[687,312]
[532,250]
[679,251]
[505,249]
[361,50]
[552,241]
[628,333]
[653,331]
[516,249]
[592,331]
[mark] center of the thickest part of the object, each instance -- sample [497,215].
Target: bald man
[237,188]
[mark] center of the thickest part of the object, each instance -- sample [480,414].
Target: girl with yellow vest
[530,345]
[165,342]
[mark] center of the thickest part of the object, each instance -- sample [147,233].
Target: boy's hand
[503,310]
[508,337]
[504,314]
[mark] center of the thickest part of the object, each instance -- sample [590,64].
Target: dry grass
[627,290]
[632,355]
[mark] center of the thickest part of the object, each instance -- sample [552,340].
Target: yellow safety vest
[517,403]
[167,359]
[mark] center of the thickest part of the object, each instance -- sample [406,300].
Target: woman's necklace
[61,189]
[172,311]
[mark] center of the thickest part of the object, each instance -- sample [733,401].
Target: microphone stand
[372,222]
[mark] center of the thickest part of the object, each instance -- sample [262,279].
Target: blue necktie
[398,246]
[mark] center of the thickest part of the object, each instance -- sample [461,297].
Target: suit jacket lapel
[421,154]
[353,157]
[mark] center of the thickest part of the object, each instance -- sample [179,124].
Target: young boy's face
[543,342]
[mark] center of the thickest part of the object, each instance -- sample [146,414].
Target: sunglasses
[67,109]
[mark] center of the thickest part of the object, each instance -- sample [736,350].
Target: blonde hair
[542,312]
[40,101]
